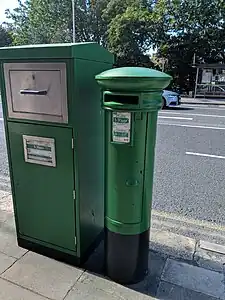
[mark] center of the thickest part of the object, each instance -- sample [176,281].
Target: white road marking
[176,118]
[198,115]
[192,126]
[209,107]
[205,155]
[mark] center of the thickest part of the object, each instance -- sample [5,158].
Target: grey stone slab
[7,222]
[95,263]
[91,284]
[6,203]
[6,207]
[194,278]
[82,292]
[8,240]
[212,247]
[168,291]
[156,264]
[209,260]
[4,194]
[150,284]
[9,291]
[5,262]
[43,275]
[8,243]
[172,244]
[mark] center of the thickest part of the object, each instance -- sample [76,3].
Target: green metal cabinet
[54,133]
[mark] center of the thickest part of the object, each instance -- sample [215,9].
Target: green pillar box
[131,100]
[54,132]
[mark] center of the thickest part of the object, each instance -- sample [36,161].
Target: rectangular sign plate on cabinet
[39,150]
[121,127]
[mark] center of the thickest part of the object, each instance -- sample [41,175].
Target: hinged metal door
[45,204]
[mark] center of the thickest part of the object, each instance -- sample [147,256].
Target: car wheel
[163,103]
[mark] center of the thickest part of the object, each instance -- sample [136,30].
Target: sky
[4,4]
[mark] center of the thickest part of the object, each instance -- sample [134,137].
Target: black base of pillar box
[126,256]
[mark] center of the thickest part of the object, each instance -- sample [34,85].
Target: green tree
[129,36]
[122,27]
[41,21]
[5,37]
[50,21]
[187,28]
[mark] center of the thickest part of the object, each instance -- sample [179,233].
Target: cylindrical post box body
[130,135]
[128,190]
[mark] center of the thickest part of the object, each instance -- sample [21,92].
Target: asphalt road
[189,177]
[190,163]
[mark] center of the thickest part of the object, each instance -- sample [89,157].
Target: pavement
[180,268]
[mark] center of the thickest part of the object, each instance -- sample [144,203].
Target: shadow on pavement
[148,286]
[153,285]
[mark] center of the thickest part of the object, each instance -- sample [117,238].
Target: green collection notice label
[121,125]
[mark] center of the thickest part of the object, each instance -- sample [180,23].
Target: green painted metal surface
[131,100]
[133,79]
[44,195]
[86,51]
[40,192]
[143,101]
[88,121]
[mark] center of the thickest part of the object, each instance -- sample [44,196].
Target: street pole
[196,82]
[163,65]
[74,24]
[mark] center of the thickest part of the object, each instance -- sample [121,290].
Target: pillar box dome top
[136,79]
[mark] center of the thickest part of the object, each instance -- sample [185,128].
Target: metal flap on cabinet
[36,91]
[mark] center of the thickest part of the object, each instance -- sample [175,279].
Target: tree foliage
[129,36]
[5,38]
[190,28]
[177,29]
[123,27]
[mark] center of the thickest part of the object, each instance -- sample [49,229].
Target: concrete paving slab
[194,278]
[9,291]
[5,262]
[150,284]
[3,217]
[6,206]
[4,194]
[172,244]
[6,203]
[89,283]
[95,262]
[82,292]
[209,260]
[212,247]
[168,291]
[7,221]
[43,275]
[156,266]
[8,240]
[8,244]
